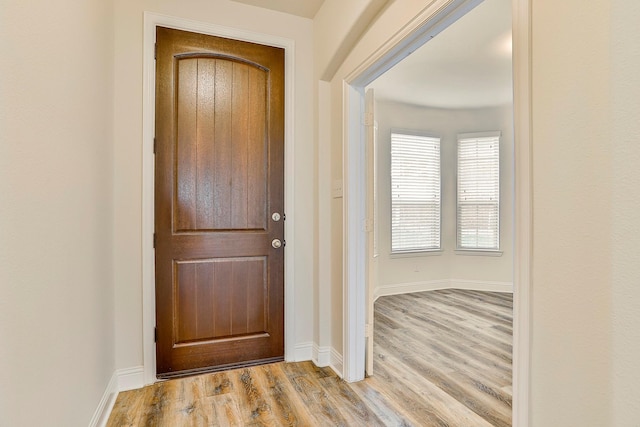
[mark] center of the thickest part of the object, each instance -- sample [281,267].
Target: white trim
[327,357]
[488,134]
[354,243]
[477,252]
[416,254]
[130,378]
[151,20]
[410,287]
[434,285]
[304,351]
[336,363]
[322,355]
[481,285]
[523,237]
[101,415]
[433,19]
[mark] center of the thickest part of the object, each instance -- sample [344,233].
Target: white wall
[573,181]
[625,238]
[56,169]
[585,294]
[396,273]
[338,25]
[586,342]
[128,153]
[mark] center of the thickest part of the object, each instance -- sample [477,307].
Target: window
[478,211]
[415,193]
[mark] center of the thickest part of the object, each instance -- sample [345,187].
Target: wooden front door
[219,181]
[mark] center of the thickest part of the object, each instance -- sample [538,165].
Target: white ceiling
[468,65]
[304,8]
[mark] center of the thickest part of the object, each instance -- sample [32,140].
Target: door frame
[151,20]
[432,20]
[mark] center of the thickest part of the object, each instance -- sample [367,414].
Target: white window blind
[478,199]
[415,193]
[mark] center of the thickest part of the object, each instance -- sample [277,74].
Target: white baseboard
[478,285]
[303,351]
[433,285]
[130,378]
[121,380]
[336,362]
[408,288]
[322,356]
[101,415]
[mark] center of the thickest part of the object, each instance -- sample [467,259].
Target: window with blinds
[415,193]
[478,198]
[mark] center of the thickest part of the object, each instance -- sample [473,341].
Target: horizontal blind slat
[415,192]
[478,193]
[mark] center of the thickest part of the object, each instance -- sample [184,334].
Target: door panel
[219,176]
[220,138]
[212,298]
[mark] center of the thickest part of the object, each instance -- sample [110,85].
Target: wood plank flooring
[442,358]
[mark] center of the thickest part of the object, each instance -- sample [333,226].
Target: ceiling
[468,65]
[304,8]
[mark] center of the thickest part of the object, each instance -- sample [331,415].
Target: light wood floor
[442,358]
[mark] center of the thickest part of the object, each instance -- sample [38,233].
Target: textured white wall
[625,205]
[446,124]
[56,168]
[128,153]
[573,258]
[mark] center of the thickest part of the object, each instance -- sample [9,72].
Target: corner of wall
[130,378]
[101,415]
[322,357]
[121,380]
[433,285]
[335,38]
[479,285]
[336,363]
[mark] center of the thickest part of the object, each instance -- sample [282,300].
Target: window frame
[479,251]
[416,251]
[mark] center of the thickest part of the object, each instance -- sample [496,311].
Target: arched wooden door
[219,200]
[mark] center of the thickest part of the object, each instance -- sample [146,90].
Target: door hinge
[154,145]
[154,240]
[155,51]
[155,334]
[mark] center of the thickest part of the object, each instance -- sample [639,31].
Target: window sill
[416,254]
[478,252]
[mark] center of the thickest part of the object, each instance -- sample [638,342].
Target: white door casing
[423,27]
